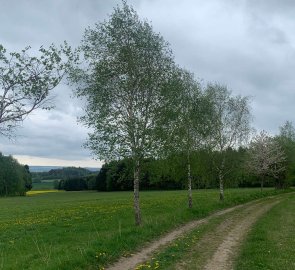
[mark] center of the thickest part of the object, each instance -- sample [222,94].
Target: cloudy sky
[247,45]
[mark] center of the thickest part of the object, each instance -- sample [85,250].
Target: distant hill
[48,168]
[54,173]
[43,168]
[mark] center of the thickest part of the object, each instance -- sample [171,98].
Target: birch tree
[231,126]
[126,67]
[26,81]
[286,139]
[287,131]
[187,123]
[266,157]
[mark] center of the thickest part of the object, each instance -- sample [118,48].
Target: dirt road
[228,248]
[221,244]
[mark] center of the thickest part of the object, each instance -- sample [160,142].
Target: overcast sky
[247,45]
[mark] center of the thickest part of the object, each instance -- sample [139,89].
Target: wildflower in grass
[157,265]
[143,266]
[100,254]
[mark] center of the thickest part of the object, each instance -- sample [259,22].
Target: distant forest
[62,173]
[171,173]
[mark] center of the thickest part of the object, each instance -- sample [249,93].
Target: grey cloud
[247,45]
[271,7]
[39,23]
[55,135]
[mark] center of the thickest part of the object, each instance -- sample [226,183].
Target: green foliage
[181,114]
[118,176]
[171,173]
[27,80]
[15,179]
[286,140]
[124,73]
[77,183]
[230,118]
[73,184]
[230,122]
[56,184]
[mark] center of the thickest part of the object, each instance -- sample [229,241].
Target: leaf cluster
[25,82]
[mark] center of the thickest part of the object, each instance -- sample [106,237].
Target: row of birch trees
[141,104]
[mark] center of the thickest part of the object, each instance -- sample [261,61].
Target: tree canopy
[266,157]
[15,179]
[231,119]
[25,82]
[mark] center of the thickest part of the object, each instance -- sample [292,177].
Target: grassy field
[271,243]
[88,230]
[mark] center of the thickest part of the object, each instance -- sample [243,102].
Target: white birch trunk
[189,177]
[221,188]
[136,193]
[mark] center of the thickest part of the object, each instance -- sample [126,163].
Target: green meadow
[89,230]
[271,243]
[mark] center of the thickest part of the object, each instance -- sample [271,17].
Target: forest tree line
[15,179]
[171,173]
[62,173]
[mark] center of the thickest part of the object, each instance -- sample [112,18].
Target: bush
[77,183]
[15,179]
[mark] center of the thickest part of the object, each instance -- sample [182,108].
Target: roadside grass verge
[88,230]
[271,243]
